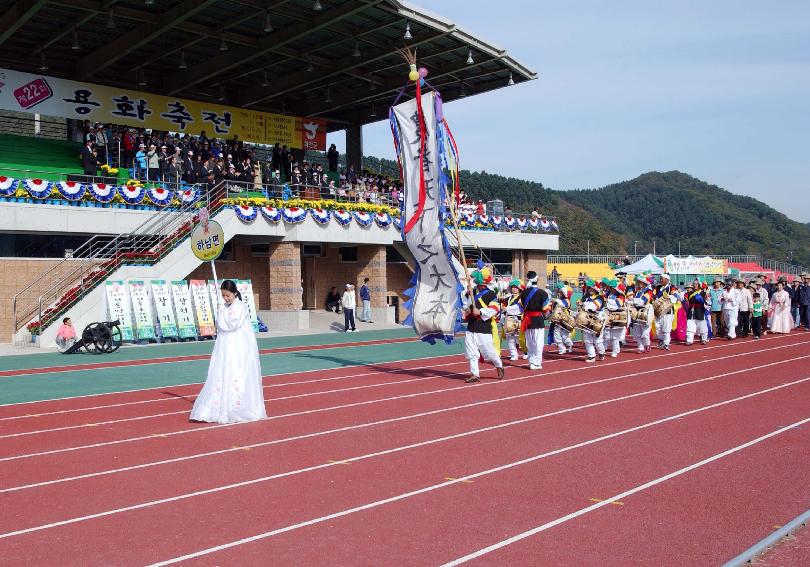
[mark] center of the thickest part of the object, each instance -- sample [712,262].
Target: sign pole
[216,282]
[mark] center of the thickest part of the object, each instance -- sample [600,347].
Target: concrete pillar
[537,260]
[284,275]
[372,266]
[354,147]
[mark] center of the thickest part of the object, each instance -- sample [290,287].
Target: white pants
[64,344]
[562,339]
[365,312]
[663,327]
[730,321]
[534,346]
[642,335]
[593,343]
[512,344]
[480,344]
[614,335]
[696,327]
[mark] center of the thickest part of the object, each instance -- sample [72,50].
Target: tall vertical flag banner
[186,326]
[167,324]
[435,296]
[142,309]
[202,308]
[118,308]
[245,288]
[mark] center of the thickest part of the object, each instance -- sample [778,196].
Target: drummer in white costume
[642,301]
[511,318]
[614,302]
[562,336]
[593,302]
[663,322]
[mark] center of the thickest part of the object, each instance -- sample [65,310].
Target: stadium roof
[336,59]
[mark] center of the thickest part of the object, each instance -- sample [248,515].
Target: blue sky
[717,89]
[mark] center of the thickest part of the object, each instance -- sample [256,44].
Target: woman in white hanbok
[233,390]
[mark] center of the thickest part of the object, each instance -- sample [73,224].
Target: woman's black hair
[228,285]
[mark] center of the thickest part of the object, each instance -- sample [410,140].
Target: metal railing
[614,258]
[784,267]
[100,255]
[44,127]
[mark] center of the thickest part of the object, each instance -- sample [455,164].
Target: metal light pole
[635,248]
[679,248]
[589,251]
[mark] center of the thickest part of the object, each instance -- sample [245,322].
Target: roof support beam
[16,16]
[129,42]
[240,56]
[298,80]
[389,86]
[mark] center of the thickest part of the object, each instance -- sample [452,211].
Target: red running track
[414,437]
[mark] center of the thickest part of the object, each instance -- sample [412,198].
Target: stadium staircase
[151,251]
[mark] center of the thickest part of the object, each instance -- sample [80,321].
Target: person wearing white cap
[663,322]
[349,303]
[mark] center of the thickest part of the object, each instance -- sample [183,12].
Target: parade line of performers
[610,310]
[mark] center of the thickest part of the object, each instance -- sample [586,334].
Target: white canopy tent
[648,263]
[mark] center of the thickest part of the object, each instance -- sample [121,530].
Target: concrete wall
[15,273]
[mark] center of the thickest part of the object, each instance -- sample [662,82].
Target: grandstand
[266,72]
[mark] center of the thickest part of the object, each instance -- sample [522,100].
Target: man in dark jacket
[189,174]
[332,155]
[803,297]
[89,159]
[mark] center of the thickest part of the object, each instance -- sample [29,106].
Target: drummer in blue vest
[535,303]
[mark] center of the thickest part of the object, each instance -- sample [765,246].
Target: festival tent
[649,263]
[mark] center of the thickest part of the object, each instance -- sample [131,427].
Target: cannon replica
[99,338]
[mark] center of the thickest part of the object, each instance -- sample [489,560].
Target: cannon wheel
[116,338]
[91,337]
[101,338]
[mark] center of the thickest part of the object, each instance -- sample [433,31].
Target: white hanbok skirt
[233,390]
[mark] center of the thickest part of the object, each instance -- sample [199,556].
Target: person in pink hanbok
[233,390]
[779,316]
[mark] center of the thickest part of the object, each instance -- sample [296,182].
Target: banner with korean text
[26,92]
[167,325]
[245,288]
[692,265]
[202,308]
[118,308]
[186,326]
[142,310]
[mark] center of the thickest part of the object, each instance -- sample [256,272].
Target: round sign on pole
[207,241]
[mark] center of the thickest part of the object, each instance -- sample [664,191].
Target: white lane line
[402,418]
[264,376]
[416,445]
[507,466]
[405,396]
[183,397]
[192,358]
[623,495]
[724,345]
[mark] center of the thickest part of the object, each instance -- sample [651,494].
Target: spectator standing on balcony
[128,151]
[189,174]
[101,142]
[172,174]
[286,162]
[89,159]
[275,157]
[365,297]
[332,156]
[479,208]
[152,163]
[140,162]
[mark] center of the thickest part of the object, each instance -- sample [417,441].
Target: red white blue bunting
[271,214]
[398,222]
[554,224]
[343,217]
[545,224]
[483,219]
[497,221]
[321,216]
[189,196]
[383,220]
[159,196]
[534,223]
[294,215]
[131,194]
[363,218]
[246,213]
[470,218]
[522,223]
[104,193]
[71,190]
[510,222]
[38,188]
[8,185]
